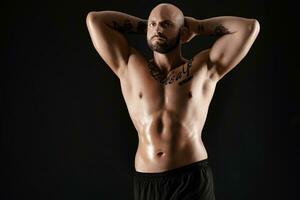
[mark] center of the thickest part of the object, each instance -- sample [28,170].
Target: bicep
[111,45]
[231,48]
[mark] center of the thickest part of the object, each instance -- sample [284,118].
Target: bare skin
[168,98]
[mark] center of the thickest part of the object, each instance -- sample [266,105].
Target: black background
[65,128]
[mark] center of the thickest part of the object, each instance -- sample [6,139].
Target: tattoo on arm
[220,30]
[127,27]
[201,29]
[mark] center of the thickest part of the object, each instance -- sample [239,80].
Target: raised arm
[107,29]
[236,36]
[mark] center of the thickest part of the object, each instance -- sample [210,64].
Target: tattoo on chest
[182,76]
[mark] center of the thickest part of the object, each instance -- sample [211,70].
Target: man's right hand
[190,33]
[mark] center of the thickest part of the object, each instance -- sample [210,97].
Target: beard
[166,46]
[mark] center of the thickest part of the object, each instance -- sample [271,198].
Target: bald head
[165,28]
[167,11]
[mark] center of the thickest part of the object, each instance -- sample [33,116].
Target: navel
[160,153]
[140,95]
[190,94]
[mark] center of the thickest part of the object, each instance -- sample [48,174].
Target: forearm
[218,26]
[120,22]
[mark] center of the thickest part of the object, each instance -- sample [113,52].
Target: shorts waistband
[172,172]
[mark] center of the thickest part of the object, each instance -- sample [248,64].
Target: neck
[168,61]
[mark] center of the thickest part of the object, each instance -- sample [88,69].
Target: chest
[144,86]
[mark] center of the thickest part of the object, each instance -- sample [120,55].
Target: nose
[159,34]
[158,29]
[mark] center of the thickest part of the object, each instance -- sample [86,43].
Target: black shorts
[190,182]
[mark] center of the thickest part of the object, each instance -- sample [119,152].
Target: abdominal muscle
[166,143]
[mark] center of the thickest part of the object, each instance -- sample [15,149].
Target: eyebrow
[163,21]
[166,20]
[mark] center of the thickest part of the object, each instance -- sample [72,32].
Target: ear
[183,34]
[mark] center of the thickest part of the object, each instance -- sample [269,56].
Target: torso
[169,118]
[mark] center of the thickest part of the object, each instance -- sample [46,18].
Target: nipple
[190,94]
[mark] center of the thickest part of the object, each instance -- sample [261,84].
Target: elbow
[254,27]
[90,17]
[93,16]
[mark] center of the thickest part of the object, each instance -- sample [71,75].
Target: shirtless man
[168,96]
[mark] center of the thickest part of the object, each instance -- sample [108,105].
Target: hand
[189,26]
